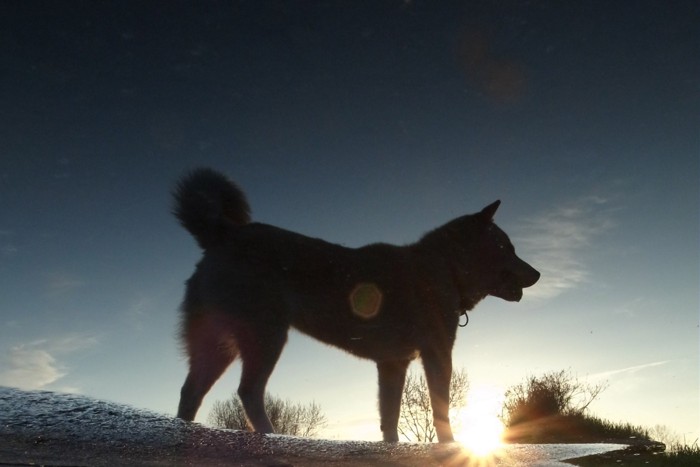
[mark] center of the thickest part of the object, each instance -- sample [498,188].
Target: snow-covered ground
[67,429]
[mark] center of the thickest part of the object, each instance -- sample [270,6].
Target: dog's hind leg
[260,350]
[438,373]
[392,376]
[211,350]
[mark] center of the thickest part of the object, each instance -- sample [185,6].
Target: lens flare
[478,427]
[366,300]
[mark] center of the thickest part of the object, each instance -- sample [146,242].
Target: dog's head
[482,258]
[505,273]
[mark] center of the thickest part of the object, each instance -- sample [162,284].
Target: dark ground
[43,428]
[201,448]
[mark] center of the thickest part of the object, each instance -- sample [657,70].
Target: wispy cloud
[630,307]
[62,282]
[29,368]
[34,365]
[556,243]
[8,249]
[627,370]
[136,312]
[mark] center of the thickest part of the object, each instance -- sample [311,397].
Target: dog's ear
[489,211]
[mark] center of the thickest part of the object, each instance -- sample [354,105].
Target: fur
[389,304]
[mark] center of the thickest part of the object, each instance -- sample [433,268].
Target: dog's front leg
[392,376]
[438,372]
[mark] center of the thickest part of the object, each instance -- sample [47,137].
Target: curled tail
[208,204]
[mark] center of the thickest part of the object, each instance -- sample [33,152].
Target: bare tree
[287,417]
[416,420]
[555,393]
[229,414]
[666,435]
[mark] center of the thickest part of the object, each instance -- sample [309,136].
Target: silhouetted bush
[552,394]
[552,409]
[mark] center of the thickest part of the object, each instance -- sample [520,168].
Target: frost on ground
[45,428]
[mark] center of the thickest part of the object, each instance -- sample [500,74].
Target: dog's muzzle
[513,281]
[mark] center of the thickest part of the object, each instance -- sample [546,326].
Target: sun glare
[477,426]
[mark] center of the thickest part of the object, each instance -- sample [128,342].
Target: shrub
[552,394]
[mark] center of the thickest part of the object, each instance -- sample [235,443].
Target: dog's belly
[381,349]
[382,337]
[365,343]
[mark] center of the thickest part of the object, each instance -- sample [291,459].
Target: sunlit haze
[478,426]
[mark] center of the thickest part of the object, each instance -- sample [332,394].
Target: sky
[355,122]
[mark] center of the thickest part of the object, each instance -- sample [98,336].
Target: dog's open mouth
[510,293]
[511,284]
[508,288]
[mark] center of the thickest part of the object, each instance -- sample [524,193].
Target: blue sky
[363,123]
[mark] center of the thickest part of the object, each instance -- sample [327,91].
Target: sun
[477,426]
